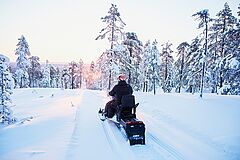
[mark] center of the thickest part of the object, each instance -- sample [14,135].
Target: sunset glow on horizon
[65,30]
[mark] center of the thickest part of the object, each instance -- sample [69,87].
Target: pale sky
[65,30]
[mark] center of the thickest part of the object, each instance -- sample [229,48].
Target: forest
[209,63]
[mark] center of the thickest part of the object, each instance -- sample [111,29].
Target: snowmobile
[126,117]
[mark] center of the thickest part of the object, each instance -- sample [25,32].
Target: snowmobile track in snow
[169,149]
[119,127]
[110,138]
[164,150]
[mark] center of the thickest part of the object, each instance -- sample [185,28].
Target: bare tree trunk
[222,53]
[204,63]
[110,72]
[181,72]
[109,80]
[144,85]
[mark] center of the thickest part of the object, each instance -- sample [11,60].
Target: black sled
[126,116]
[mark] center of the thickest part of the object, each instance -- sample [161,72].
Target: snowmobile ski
[102,115]
[116,123]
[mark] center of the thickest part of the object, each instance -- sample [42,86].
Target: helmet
[122,77]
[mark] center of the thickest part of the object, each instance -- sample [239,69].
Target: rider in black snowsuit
[122,88]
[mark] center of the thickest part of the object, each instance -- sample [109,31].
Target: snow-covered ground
[64,125]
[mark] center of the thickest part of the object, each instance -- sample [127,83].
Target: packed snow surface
[56,124]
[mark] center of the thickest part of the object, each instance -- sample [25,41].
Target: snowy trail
[167,150]
[66,126]
[86,140]
[89,129]
[106,139]
[91,136]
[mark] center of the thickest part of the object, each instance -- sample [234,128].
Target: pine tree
[112,63]
[73,72]
[46,75]
[218,46]
[155,66]
[225,22]
[113,29]
[34,71]
[149,67]
[121,62]
[203,17]
[214,56]
[80,73]
[55,80]
[166,69]
[102,65]
[180,64]
[114,26]
[66,79]
[231,62]
[145,66]
[193,66]
[6,89]
[90,79]
[21,73]
[134,46]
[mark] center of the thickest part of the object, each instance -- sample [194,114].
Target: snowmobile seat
[127,108]
[128,101]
